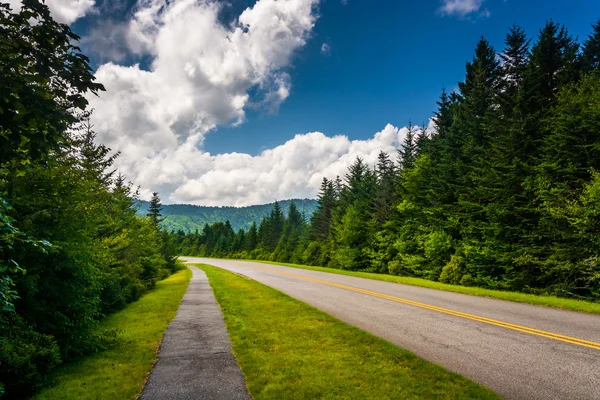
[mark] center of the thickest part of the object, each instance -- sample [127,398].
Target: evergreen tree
[443,117]
[251,238]
[386,190]
[408,152]
[322,218]
[155,208]
[515,60]
[591,49]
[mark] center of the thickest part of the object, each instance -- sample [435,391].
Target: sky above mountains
[244,102]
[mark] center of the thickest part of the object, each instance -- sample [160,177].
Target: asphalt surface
[195,359]
[513,363]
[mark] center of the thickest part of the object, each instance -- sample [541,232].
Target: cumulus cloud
[64,11]
[462,8]
[294,169]
[107,40]
[325,49]
[199,77]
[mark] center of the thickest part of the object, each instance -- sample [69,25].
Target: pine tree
[290,238]
[251,238]
[386,189]
[275,223]
[408,152]
[422,140]
[155,208]
[443,117]
[321,220]
[553,63]
[591,49]
[515,60]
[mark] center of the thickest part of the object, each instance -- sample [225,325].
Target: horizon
[235,103]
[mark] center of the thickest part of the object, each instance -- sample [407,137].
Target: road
[518,350]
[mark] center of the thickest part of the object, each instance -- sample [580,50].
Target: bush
[25,356]
[452,272]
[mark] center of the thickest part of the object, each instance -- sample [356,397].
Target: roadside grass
[548,301]
[120,372]
[290,350]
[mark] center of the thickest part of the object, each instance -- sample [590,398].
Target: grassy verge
[120,373]
[289,350]
[548,301]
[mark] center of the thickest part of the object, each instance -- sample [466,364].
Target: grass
[290,350]
[120,372]
[548,301]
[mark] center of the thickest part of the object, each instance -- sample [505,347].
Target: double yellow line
[507,325]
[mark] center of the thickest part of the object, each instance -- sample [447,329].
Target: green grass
[120,373]
[289,350]
[548,301]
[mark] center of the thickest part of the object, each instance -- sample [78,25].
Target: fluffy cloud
[65,11]
[294,169]
[462,8]
[199,77]
[325,49]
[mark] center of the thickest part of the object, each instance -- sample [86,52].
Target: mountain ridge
[189,217]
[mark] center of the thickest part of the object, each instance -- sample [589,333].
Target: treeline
[188,218]
[71,246]
[505,194]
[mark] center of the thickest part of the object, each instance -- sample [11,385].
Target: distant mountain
[188,217]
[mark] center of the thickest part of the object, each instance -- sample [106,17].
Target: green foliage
[121,371]
[71,246]
[503,195]
[155,208]
[189,218]
[43,78]
[349,363]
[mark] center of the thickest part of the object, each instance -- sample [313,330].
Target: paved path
[467,334]
[195,359]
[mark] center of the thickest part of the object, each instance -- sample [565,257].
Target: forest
[188,218]
[72,249]
[504,193]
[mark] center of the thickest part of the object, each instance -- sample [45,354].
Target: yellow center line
[507,325]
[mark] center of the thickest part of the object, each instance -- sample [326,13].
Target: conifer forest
[72,249]
[502,191]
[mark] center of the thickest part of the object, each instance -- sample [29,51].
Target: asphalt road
[518,350]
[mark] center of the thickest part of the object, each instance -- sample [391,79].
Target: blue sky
[244,102]
[387,63]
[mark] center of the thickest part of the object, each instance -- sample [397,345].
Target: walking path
[518,350]
[195,359]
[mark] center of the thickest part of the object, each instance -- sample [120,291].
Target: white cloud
[294,169]
[107,40]
[200,76]
[64,11]
[325,49]
[461,8]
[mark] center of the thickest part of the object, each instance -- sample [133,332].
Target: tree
[41,65]
[443,117]
[251,238]
[591,49]
[408,153]
[385,195]
[322,218]
[155,208]
[515,60]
